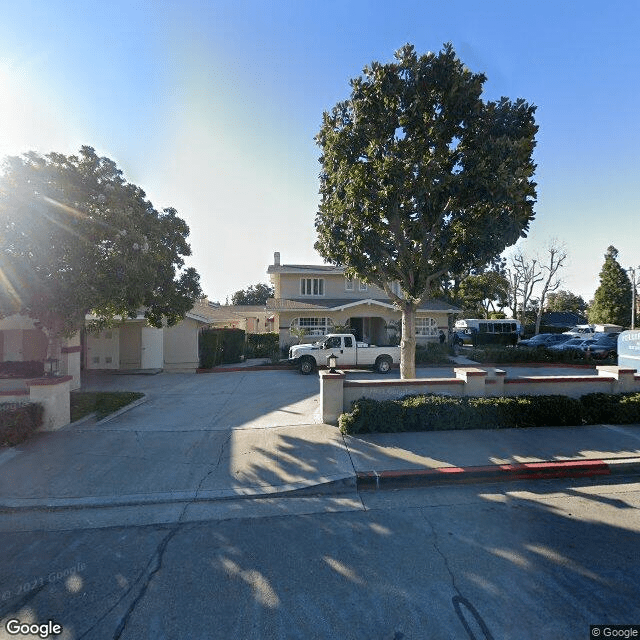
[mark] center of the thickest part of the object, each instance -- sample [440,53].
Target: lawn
[101,402]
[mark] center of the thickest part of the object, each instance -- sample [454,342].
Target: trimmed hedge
[262,345]
[432,353]
[220,346]
[510,354]
[442,413]
[18,369]
[19,422]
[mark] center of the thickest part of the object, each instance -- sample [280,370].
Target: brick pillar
[624,377]
[474,379]
[331,396]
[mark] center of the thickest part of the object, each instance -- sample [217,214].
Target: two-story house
[317,298]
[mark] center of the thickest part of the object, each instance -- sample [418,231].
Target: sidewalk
[412,459]
[108,468]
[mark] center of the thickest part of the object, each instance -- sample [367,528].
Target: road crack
[459,602]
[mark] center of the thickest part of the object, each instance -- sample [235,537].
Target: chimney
[276,259]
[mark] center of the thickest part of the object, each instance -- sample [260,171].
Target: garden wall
[337,393]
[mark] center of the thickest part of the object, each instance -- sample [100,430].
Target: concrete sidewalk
[199,439]
[411,459]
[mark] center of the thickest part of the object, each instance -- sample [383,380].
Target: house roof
[337,304]
[305,268]
[562,319]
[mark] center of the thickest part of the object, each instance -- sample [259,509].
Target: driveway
[213,401]
[197,437]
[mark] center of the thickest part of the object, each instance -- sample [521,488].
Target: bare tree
[524,275]
[556,256]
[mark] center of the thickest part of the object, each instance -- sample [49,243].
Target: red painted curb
[524,471]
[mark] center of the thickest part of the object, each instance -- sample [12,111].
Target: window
[313,326]
[348,284]
[312,286]
[348,341]
[426,327]
[363,286]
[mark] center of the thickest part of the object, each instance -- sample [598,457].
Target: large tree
[421,177]
[612,301]
[76,237]
[566,301]
[253,294]
[484,293]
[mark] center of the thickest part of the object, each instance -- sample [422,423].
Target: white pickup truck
[348,352]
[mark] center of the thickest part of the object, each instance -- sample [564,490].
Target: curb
[331,485]
[377,480]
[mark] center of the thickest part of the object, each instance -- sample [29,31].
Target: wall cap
[43,382]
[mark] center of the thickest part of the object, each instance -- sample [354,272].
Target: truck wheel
[383,364]
[307,365]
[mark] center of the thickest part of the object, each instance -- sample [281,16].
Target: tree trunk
[408,342]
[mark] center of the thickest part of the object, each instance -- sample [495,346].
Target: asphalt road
[526,560]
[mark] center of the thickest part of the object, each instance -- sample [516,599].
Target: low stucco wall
[337,394]
[52,393]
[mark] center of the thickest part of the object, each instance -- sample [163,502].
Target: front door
[130,346]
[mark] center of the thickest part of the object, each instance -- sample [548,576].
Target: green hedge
[442,413]
[19,369]
[262,345]
[220,346]
[432,353]
[510,354]
[19,422]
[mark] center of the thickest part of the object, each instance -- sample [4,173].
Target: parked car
[544,340]
[576,345]
[602,348]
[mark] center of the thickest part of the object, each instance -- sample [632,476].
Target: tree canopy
[566,301]
[612,300]
[421,177]
[253,294]
[76,237]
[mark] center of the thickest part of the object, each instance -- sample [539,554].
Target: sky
[212,107]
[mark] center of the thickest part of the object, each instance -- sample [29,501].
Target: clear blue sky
[212,106]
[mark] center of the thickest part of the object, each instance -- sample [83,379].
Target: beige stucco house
[316,298]
[133,344]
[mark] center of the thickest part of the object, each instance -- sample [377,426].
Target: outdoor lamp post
[51,366]
[331,362]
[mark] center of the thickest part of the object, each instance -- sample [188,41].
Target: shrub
[441,413]
[432,353]
[611,408]
[220,346]
[262,345]
[19,421]
[18,369]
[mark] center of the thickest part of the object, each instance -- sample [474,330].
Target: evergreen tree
[612,300]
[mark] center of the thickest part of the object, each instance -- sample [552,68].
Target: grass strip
[101,402]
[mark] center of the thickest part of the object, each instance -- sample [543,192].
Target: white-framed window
[348,284]
[313,326]
[426,327]
[311,286]
[363,286]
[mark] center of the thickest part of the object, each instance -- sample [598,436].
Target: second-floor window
[363,286]
[348,284]
[312,286]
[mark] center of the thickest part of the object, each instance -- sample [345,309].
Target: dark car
[544,340]
[605,347]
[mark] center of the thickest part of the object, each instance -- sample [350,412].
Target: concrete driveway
[196,438]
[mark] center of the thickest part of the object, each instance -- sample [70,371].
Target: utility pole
[632,270]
